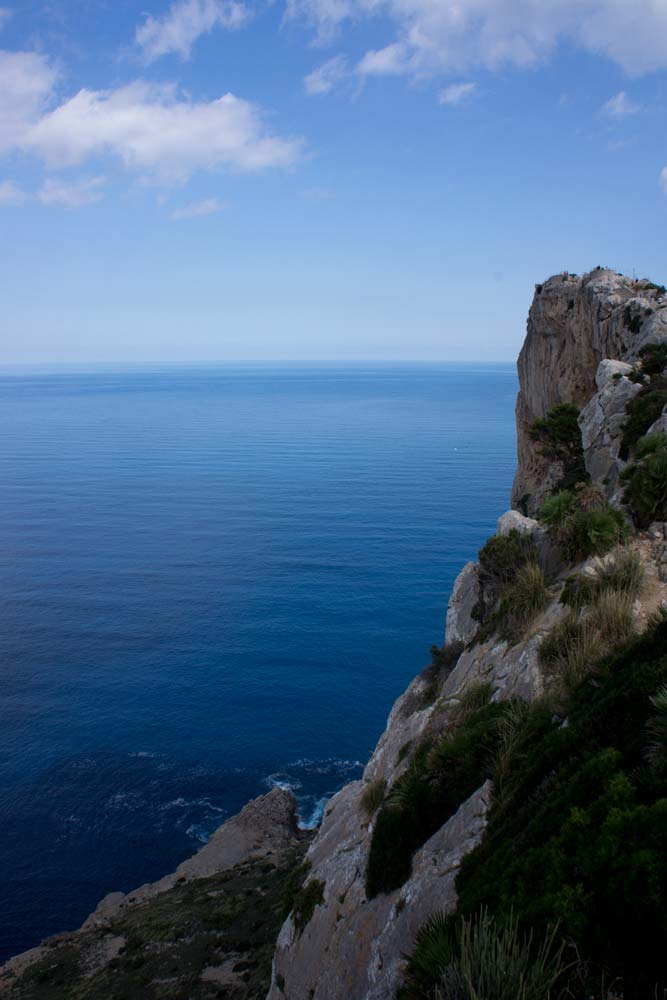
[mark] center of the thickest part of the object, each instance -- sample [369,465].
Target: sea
[215,579]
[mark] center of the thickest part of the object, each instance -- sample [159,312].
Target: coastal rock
[601,422]
[512,520]
[355,947]
[575,323]
[460,626]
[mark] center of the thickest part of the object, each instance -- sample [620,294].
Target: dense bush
[440,777]
[480,959]
[645,492]
[642,411]
[583,839]
[582,524]
[522,600]
[624,573]
[500,560]
[559,437]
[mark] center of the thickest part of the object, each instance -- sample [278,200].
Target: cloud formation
[457,93]
[327,76]
[184,23]
[198,209]
[436,37]
[27,81]
[620,106]
[71,194]
[150,128]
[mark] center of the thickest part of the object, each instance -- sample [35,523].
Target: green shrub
[441,776]
[583,837]
[522,600]
[308,897]
[642,411]
[444,658]
[654,358]
[595,533]
[624,573]
[372,796]
[559,437]
[500,560]
[645,492]
[611,617]
[479,959]
[579,590]
[558,510]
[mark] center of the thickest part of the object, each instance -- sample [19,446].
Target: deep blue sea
[213,579]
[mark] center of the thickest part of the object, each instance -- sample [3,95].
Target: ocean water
[214,579]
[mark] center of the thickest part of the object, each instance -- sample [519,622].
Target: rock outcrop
[575,323]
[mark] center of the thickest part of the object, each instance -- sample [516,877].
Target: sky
[210,180]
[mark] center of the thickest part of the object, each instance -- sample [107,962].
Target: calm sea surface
[213,579]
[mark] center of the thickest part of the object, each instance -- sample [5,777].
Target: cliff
[552,665]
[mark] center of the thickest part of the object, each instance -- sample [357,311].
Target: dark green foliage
[444,658]
[650,286]
[579,590]
[582,835]
[654,358]
[645,480]
[440,777]
[582,524]
[632,319]
[642,411]
[559,437]
[499,561]
[480,958]
[307,898]
[522,600]
[538,289]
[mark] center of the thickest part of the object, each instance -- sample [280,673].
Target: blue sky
[319,179]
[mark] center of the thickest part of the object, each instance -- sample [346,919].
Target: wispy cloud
[327,76]
[185,22]
[73,194]
[620,106]
[198,209]
[662,180]
[11,193]
[457,93]
[434,37]
[27,81]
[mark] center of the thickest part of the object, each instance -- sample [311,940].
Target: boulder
[460,625]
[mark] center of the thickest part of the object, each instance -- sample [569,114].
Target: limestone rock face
[601,422]
[353,947]
[512,520]
[460,625]
[575,323]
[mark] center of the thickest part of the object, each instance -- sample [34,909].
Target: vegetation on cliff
[579,837]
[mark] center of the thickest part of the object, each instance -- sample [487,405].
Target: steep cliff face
[353,945]
[575,323]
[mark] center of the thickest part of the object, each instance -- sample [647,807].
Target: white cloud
[456,93]
[74,194]
[381,62]
[197,209]
[323,79]
[620,106]
[433,36]
[155,130]
[663,180]
[11,193]
[184,23]
[26,84]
